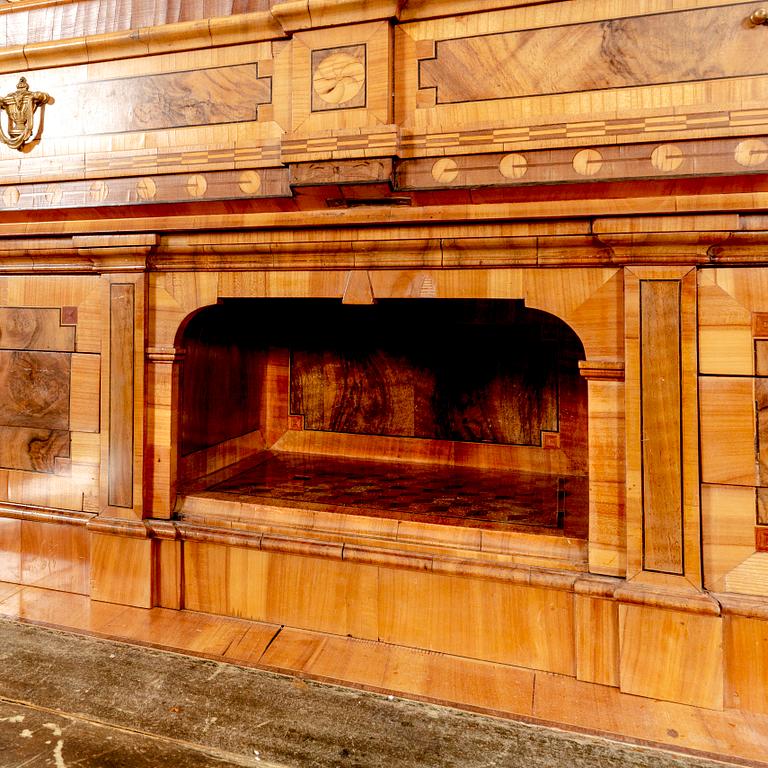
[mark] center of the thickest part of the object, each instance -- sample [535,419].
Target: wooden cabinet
[442,324]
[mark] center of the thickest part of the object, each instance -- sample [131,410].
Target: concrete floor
[69,700]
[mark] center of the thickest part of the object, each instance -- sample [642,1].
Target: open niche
[452,412]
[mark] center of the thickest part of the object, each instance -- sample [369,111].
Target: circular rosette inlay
[338,78]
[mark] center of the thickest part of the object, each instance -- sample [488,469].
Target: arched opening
[455,412]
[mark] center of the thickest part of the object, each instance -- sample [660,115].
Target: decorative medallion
[338,78]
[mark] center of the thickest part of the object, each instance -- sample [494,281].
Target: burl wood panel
[121,329]
[35,328]
[34,450]
[34,409]
[198,97]
[466,371]
[34,389]
[661,425]
[617,53]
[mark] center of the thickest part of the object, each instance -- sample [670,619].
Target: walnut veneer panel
[469,371]
[205,96]
[35,389]
[35,328]
[661,403]
[618,53]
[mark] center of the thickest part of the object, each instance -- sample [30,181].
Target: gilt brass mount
[20,107]
[758,17]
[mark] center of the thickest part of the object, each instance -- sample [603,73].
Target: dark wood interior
[471,412]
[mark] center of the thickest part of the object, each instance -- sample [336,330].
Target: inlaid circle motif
[751,152]
[338,78]
[513,166]
[197,185]
[11,196]
[445,170]
[146,189]
[250,182]
[667,158]
[587,162]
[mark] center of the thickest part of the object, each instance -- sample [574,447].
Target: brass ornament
[20,107]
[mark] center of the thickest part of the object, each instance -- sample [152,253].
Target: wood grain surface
[225,94]
[91,17]
[121,404]
[611,54]
[458,372]
[662,429]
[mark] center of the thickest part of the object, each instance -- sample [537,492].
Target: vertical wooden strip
[121,319]
[761,415]
[661,414]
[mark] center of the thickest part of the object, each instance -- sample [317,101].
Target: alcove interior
[452,412]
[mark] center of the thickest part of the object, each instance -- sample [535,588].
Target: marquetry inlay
[146,189]
[338,78]
[587,162]
[445,170]
[197,185]
[249,182]
[667,157]
[35,388]
[751,152]
[513,166]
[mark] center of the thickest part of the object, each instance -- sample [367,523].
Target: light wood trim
[641,525]
[190,35]
[671,205]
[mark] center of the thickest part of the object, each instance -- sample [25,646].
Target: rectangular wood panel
[121,318]
[168,100]
[661,416]
[617,53]
[35,328]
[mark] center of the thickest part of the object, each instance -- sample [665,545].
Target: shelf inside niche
[552,504]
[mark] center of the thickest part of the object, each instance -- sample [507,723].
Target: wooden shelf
[428,493]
